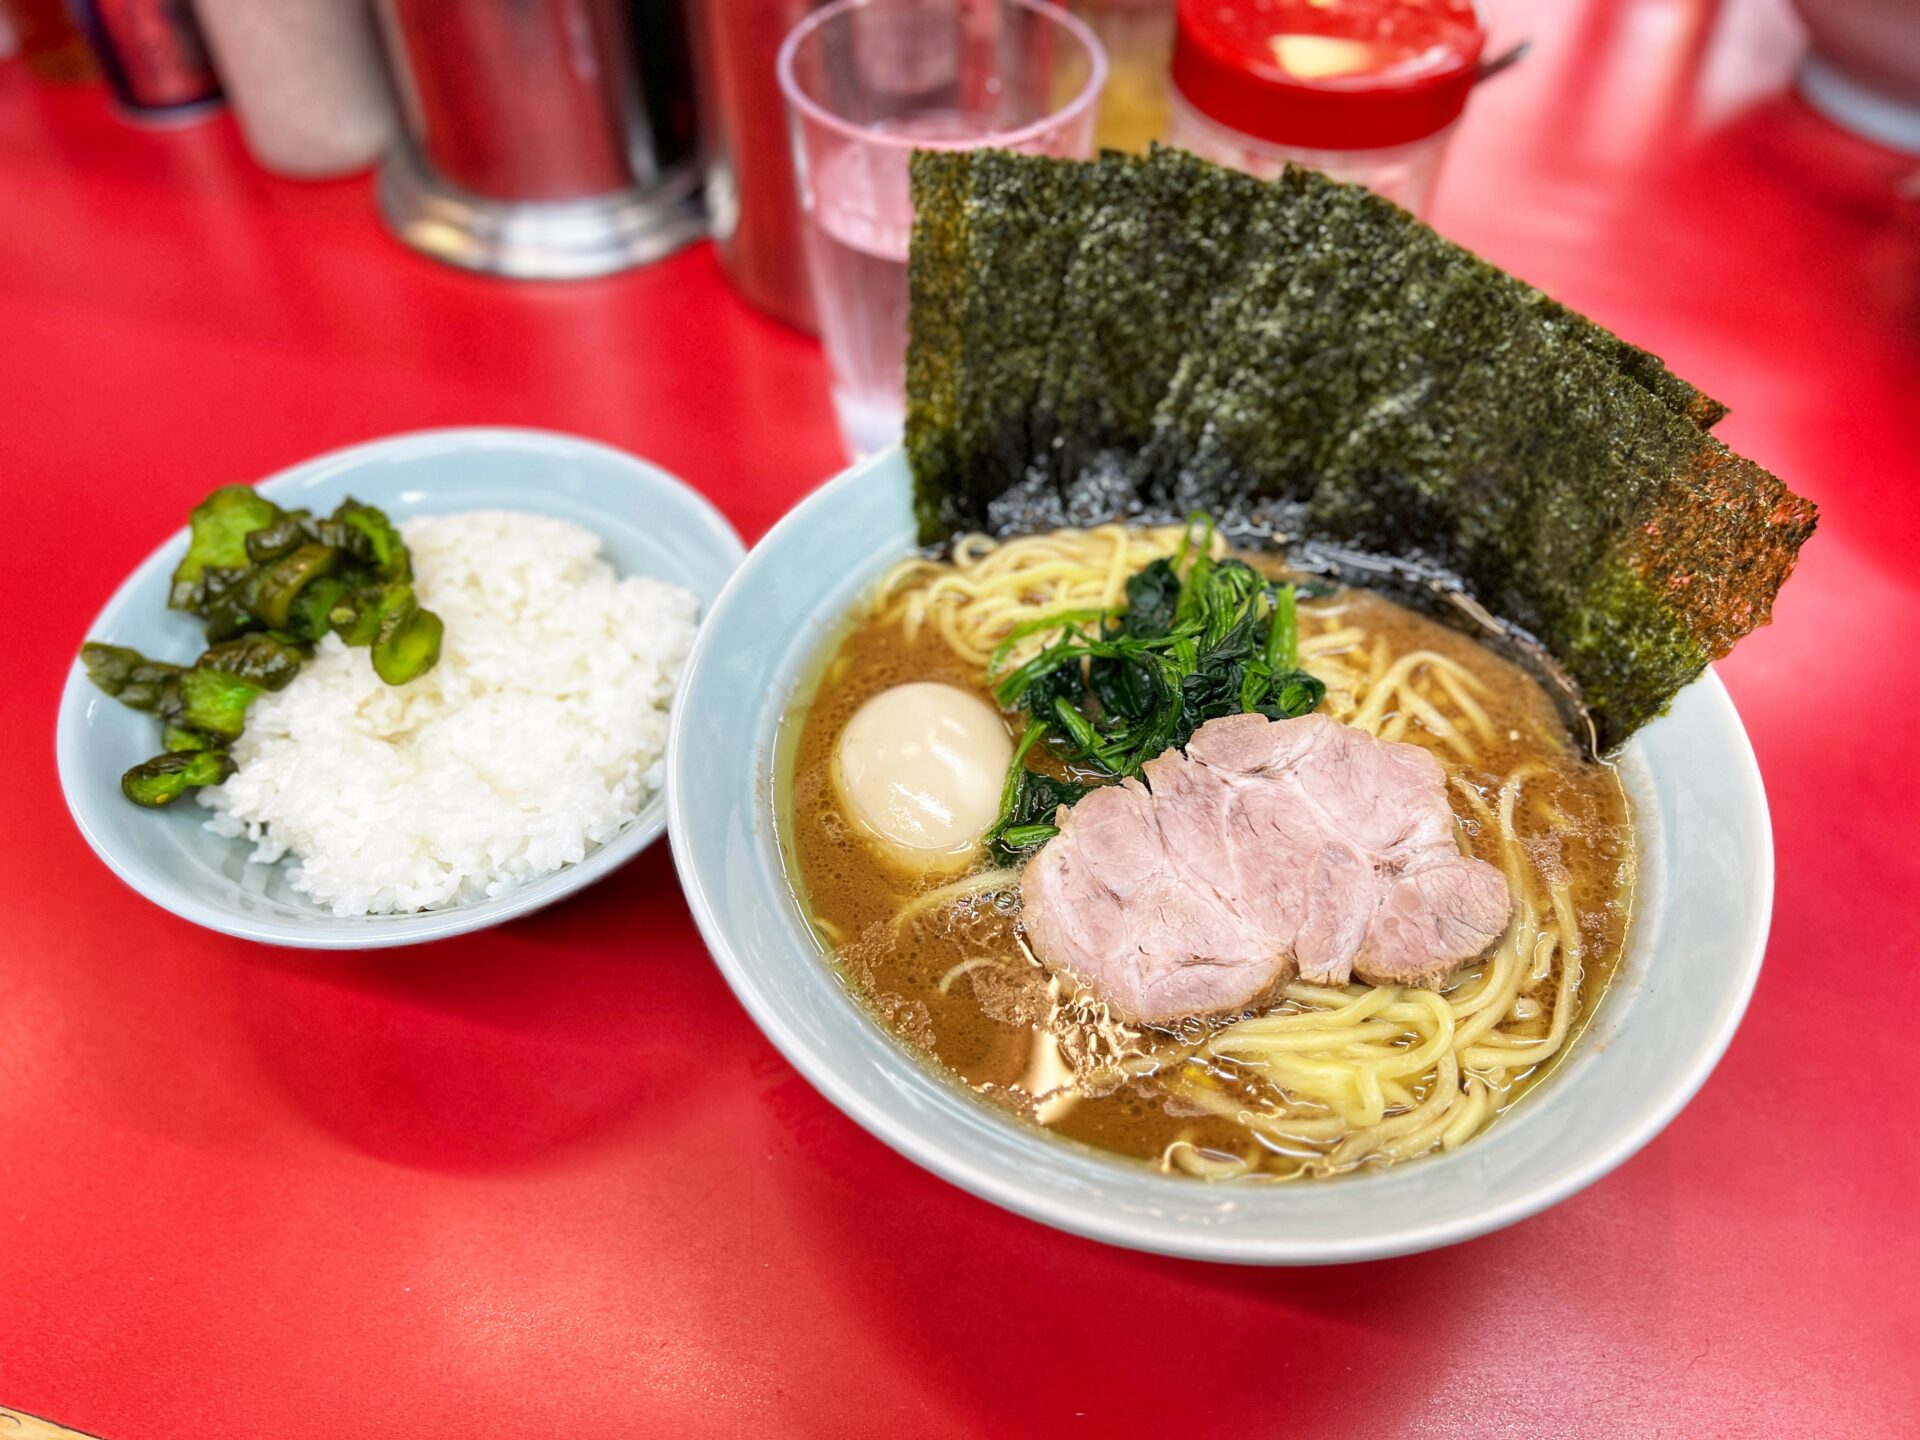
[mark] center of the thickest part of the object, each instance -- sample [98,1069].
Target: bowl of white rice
[526,764]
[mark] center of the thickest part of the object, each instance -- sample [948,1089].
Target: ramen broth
[956,984]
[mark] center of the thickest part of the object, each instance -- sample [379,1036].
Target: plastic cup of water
[867,82]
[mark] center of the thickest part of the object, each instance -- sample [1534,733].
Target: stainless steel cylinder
[545,139]
[752,204]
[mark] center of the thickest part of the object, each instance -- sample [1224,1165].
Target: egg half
[921,766]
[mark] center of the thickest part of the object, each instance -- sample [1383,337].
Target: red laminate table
[550,1180]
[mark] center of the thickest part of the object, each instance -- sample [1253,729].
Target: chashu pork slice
[1270,848]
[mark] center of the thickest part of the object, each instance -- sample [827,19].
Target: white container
[1862,69]
[306,81]
[1403,173]
[1363,90]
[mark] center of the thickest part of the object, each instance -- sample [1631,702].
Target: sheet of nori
[1339,251]
[1369,383]
[1395,400]
[1646,370]
[1158,235]
[992,232]
[938,277]
[1099,287]
[1299,352]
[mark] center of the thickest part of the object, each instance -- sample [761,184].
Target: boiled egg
[921,766]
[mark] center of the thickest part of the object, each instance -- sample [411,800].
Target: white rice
[537,736]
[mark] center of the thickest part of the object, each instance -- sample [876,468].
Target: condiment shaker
[306,80]
[1138,38]
[1364,90]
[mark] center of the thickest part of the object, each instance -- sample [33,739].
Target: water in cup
[857,239]
[867,81]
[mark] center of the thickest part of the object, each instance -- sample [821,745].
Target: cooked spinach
[1028,804]
[1114,691]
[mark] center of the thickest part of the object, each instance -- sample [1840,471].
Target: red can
[153,56]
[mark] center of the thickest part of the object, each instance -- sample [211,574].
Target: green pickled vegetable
[307,619]
[268,585]
[180,738]
[128,676]
[263,659]
[226,603]
[276,590]
[165,778]
[215,702]
[365,534]
[408,644]
[285,535]
[385,550]
[355,617]
[358,617]
[219,526]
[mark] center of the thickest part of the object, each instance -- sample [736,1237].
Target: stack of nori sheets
[1140,337]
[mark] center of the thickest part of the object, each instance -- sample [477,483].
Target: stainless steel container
[545,139]
[751,200]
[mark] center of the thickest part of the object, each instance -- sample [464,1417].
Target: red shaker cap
[1328,74]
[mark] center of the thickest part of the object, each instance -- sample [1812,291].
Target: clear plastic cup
[867,82]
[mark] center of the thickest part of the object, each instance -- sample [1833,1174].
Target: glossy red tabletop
[551,1181]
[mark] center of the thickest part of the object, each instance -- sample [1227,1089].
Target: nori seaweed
[983,271]
[937,282]
[1315,357]
[1154,234]
[1091,316]
[1646,370]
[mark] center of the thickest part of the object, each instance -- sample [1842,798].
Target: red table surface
[551,1180]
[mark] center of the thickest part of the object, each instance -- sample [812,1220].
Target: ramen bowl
[1692,956]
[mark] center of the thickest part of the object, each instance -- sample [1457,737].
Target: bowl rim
[321,930]
[1159,1235]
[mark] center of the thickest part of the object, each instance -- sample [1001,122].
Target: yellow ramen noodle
[1325,1079]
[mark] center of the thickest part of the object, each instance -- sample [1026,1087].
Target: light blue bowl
[651,524]
[1705,895]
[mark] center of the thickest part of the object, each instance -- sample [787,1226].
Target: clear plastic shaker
[1364,90]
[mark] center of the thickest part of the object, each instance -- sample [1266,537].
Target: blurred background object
[153,55]
[543,139]
[753,209]
[306,79]
[1365,90]
[48,42]
[1138,38]
[1862,69]
[866,83]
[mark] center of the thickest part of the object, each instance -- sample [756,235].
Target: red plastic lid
[1328,74]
